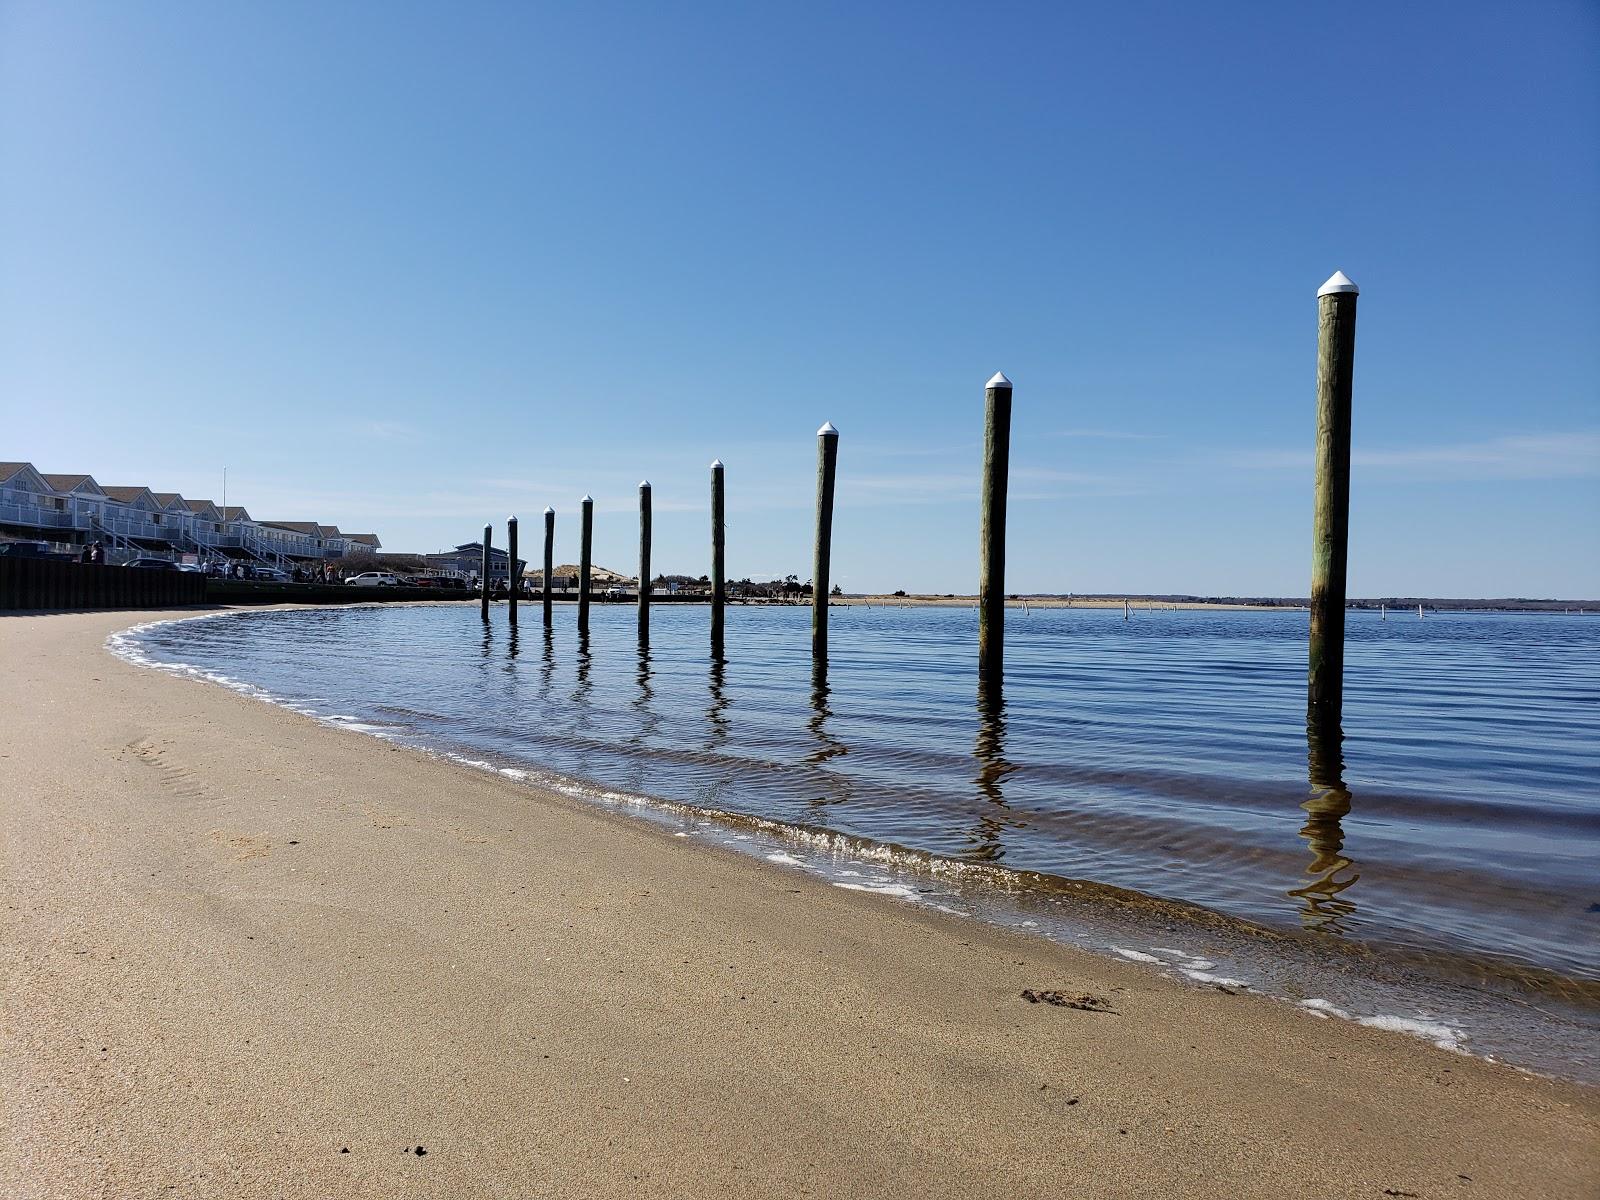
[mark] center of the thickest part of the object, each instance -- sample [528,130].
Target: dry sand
[239,944]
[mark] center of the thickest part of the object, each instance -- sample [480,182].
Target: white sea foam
[1323,1008]
[899,890]
[1446,1037]
[1193,961]
[785,859]
[1208,977]
[1137,955]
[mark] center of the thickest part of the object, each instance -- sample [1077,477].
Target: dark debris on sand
[1085,1002]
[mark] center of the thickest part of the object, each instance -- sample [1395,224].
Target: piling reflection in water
[642,704]
[547,664]
[827,746]
[580,693]
[717,714]
[1323,903]
[990,752]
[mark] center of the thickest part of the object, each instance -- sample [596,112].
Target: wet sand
[249,955]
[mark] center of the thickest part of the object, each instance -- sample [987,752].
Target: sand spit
[250,955]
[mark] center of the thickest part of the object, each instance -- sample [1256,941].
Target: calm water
[1166,754]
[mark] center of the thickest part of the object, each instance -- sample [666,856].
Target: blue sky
[410,268]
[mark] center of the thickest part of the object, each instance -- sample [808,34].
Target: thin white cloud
[1118,435]
[1520,456]
[387,431]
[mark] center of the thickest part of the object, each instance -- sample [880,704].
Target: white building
[73,511]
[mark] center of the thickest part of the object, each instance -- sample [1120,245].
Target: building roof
[366,539]
[474,548]
[234,513]
[72,483]
[169,500]
[129,495]
[23,475]
[196,506]
[328,531]
[310,528]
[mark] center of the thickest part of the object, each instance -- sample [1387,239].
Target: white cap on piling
[999,381]
[644,483]
[512,517]
[1337,284]
[716,464]
[827,430]
[587,499]
[549,510]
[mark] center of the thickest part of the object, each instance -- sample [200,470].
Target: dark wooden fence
[52,583]
[251,591]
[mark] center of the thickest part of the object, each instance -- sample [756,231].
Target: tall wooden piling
[585,554]
[827,460]
[644,562]
[1336,347]
[718,579]
[549,557]
[511,569]
[483,575]
[992,530]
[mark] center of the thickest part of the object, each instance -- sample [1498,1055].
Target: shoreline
[428,936]
[1466,1002]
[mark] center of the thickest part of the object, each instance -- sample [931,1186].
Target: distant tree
[837,591]
[901,592]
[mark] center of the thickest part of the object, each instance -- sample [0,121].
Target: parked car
[154,564]
[271,575]
[28,550]
[438,581]
[374,579]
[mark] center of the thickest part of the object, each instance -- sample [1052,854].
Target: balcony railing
[35,516]
[101,517]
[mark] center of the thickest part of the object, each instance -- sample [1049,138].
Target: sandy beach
[250,955]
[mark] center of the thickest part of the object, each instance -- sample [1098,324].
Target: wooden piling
[992,530]
[511,569]
[549,557]
[718,579]
[827,461]
[644,562]
[584,563]
[483,575]
[1336,345]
